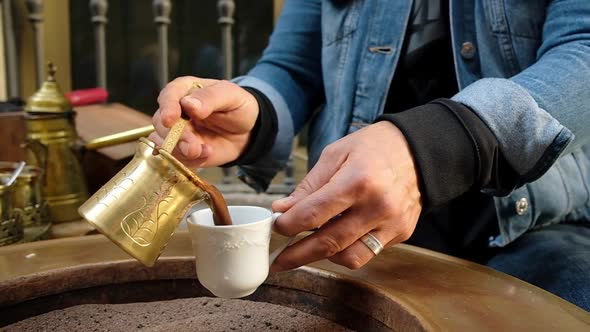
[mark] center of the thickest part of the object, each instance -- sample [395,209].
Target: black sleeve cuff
[454,150]
[263,134]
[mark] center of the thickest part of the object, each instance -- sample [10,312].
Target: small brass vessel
[11,227]
[140,207]
[27,200]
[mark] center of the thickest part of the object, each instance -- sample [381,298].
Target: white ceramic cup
[232,261]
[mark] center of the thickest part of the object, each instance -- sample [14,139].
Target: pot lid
[49,98]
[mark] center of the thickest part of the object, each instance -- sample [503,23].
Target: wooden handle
[176,131]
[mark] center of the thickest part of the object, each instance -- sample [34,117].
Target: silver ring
[372,243]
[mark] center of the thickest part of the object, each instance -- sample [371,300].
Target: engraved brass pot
[140,208]
[52,146]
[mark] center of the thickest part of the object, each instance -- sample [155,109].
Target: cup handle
[283,246]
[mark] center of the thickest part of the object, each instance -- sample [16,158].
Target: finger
[156,138]
[169,97]
[328,164]
[206,152]
[358,254]
[316,209]
[329,240]
[195,150]
[158,125]
[191,143]
[217,97]
[283,204]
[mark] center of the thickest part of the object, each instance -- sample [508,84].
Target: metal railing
[162,19]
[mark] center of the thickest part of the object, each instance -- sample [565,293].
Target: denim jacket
[522,66]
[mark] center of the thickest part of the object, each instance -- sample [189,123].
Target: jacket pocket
[340,19]
[518,28]
[516,17]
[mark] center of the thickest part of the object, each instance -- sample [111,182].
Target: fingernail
[205,151]
[193,102]
[285,200]
[183,146]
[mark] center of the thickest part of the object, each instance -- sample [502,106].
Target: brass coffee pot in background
[51,145]
[54,145]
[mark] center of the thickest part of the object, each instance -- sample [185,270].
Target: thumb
[218,97]
[169,98]
[328,164]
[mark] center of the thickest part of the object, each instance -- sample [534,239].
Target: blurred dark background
[194,45]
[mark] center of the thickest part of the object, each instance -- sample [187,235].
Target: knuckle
[311,217]
[304,188]
[387,206]
[161,95]
[226,85]
[177,83]
[328,246]
[182,81]
[330,151]
[164,96]
[363,182]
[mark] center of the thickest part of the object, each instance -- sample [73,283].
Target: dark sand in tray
[194,314]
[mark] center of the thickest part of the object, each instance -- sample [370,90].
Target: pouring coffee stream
[215,199]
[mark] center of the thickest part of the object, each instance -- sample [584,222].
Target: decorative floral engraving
[141,225]
[113,189]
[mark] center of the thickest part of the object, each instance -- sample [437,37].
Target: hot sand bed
[194,314]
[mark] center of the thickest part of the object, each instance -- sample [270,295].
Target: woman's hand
[222,115]
[364,182]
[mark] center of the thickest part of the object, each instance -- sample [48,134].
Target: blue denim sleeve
[289,74]
[536,113]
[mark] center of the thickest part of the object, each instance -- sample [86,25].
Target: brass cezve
[140,208]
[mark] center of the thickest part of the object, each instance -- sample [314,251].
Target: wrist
[444,148]
[404,156]
[263,133]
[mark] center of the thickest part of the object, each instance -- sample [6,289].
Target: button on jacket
[522,66]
